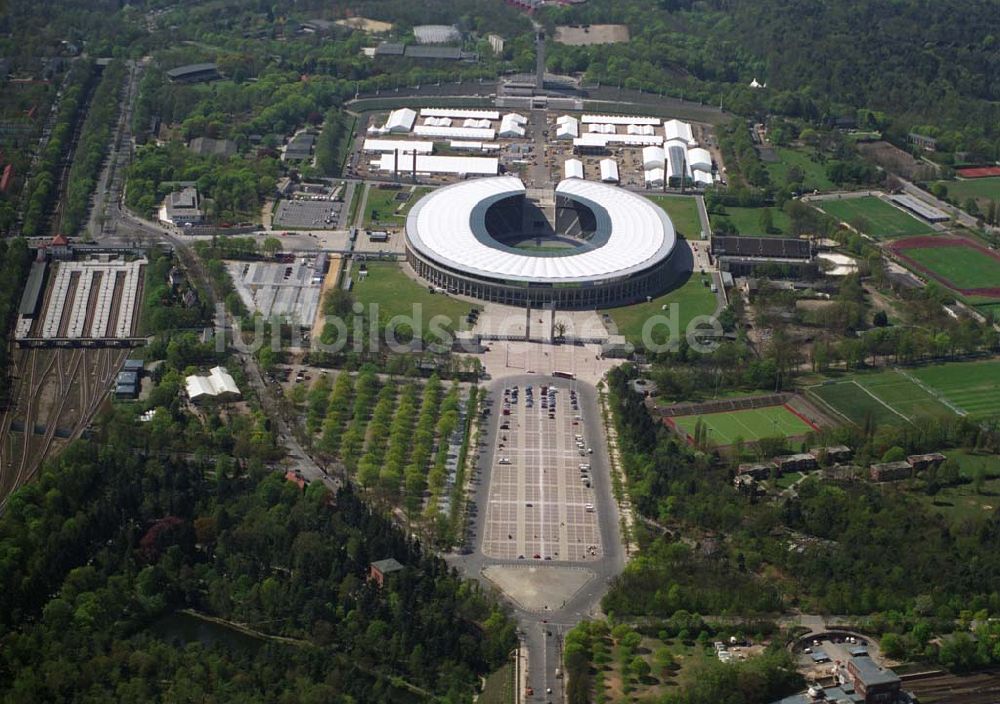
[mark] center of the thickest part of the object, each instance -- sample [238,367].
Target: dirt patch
[366,25]
[584,34]
[897,161]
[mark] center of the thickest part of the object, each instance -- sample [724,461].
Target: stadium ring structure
[620,245]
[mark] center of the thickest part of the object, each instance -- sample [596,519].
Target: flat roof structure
[436,33]
[194,73]
[919,207]
[486,134]
[32,295]
[391,145]
[591,139]
[461,113]
[426,164]
[621,120]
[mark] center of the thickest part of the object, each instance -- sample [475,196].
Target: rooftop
[871,674]
[387,565]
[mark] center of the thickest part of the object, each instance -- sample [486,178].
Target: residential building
[875,685]
[802,462]
[183,206]
[928,461]
[379,570]
[891,471]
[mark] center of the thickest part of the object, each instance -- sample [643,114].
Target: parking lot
[541,503]
[307,214]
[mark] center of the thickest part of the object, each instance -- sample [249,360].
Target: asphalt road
[542,632]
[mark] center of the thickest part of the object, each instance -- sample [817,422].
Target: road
[545,650]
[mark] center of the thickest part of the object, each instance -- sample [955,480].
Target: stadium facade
[612,247]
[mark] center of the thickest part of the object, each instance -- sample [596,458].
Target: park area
[874,217]
[387,286]
[755,222]
[683,212]
[982,190]
[798,162]
[958,263]
[749,425]
[693,299]
[388,207]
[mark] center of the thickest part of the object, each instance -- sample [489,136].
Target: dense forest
[933,66]
[14,260]
[109,540]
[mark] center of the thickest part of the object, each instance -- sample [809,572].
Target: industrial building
[455,240]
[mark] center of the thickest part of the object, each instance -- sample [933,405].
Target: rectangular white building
[465,165]
[460,113]
[455,132]
[573,168]
[391,145]
[622,120]
[609,171]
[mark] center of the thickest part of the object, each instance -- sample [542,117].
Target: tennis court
[751,424]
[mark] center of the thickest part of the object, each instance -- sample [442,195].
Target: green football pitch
[898,397]
[963,267]
[875,217]
[751,424]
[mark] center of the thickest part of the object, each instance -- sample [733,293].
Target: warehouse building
[217,386]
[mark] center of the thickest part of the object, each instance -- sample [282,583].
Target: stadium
[590,246]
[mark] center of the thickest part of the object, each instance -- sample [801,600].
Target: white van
[589,508]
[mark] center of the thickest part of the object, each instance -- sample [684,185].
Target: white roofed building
[641,129]
[677,166]
[436,34]
[460,113]
[567,127]
[426,164]
[654,177]
[455,132]
[653,157]
[217,386]
[573,168]
[621,120]
[400,120]
[609,171]
[700,158]
[675,129]
[403,145]
[512,125]
[702,177]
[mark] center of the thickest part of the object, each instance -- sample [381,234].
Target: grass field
[814,173]
[888,397]
[972,386]
[752,424]
[747,221]
[962,502]
[499,687]
[383,208]
[963,267]
[982,189]
[683,212]
[874,217]
[693,299]
[396,294]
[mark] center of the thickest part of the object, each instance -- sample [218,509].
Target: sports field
[751,424]
[956,262]
[874,217]
[981,189]
[972,386]
[747,221]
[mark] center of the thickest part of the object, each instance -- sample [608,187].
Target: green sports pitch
[874,217]
[749,425]
[899,397]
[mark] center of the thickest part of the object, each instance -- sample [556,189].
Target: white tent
[654,177]
[702,177]
[219,384]
[567,127]
[609,170]
[675,129]
[700,159]
[573,168]
[400,120]
[653,157]
[512,125]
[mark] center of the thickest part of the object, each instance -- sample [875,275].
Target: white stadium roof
[470,165]
[456,112]
[448,226]
[391,145]
[621,120]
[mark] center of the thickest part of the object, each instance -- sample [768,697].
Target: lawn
[751,424]
[747,221]
[962,502]
[982,189]
[874,217]
[972,386]
[384,209]
[814,173]
[499,687]
[683,212]
[395,293]
[963,267]
[692,299]
[888,397]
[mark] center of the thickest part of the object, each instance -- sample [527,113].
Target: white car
[589,508]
